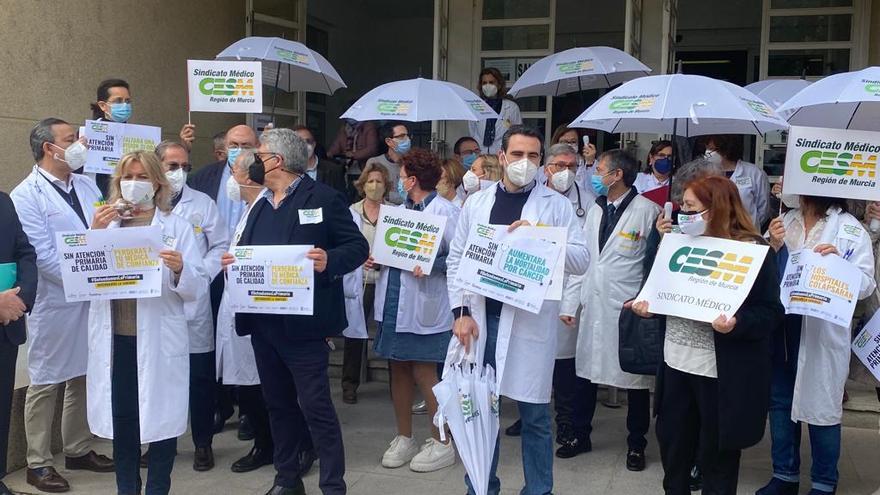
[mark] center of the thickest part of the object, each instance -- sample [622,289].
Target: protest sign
[406,239]
[515,268]
[225,86]
[101,264]
[556,236]
[108,141]
[866,345]
[825,287]
[700,278]
[838,163]
[271,280]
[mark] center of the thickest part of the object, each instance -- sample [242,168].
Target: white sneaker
[433,456]
[401,451]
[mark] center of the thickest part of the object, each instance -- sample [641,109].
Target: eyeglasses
[259,156]
[175,166]
[400,136]
[561,165]
[468,152]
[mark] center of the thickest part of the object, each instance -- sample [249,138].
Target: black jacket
[346,248]
[332,174]
[744,368]
[207,179]
[15,248]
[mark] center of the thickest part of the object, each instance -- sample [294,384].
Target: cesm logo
[862,340]
[292,56]
[632,104]
[872,87]
[226,86]
[100,126]
[759,107]
[393,107]
[834,163]
[74,240]
[244,253]
[485,231]
[729,267]
[568,68]
[410,240]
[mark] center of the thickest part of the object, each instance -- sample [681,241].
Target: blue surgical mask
[663,166]
[468,160]
[232,155]
[400,189]
[120,112]
[598,186]
[403,146]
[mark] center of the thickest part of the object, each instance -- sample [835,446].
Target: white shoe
[433,456]
[420,407]
[401,451]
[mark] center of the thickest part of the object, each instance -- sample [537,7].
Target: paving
[368,426]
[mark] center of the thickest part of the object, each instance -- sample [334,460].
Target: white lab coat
[353,289]
[647,181]
[510,116]
[754,190]
[526,347]
[824,352]
[58,330]
[162,345]
[614,277]
[423,307]
[212,239]
[566,336]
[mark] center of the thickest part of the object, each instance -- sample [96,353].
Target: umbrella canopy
[577,69]
[680,105]
[295,66]
[420,100]
[841,101]
[777,91]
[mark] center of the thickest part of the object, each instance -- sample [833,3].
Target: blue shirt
[230,211]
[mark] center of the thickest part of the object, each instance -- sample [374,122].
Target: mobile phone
[586,140]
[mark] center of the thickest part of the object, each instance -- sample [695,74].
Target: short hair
[245,159]
[729,146]
[387,129]
[424,165]
[456,148]
[521,130]
[42,133]
[153,167]
[219,140]
[291,148]
[454,171]
[691,171]
[564,129]
[365,173]
[103,93]
[164,146]
[560,149]
[491,167]
[656,147]
[302,127]
[621,160]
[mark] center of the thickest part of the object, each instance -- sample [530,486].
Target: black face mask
[257,171]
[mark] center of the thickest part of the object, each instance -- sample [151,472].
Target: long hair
[153,168]
[492,71]
[728,218]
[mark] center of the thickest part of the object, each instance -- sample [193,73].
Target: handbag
[640,349]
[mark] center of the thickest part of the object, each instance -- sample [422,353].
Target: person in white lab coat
[491,86]
[414,321]
[521,346]
[212,238]
[811,358]
[617,228]
[483,174]
[754,187]
[586,153]
[657,169]
[53,199]
[138,370]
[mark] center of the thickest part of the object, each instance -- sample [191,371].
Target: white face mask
[138,192]
[74,156]
[490,90]
[311,149]
[521,172]
[712,157]
[692,224]
[233,189]
[790,200]
[470,181]
[177,178]
[562,180]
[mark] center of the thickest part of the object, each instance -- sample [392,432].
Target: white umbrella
[419,100]
[841,101]
[777,91]
[577,69]
[681,105]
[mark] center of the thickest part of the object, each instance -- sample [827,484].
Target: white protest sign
[557,236]
[700,278]
[224,86]
[515,268]
[271,280]
[825,287]
[111,264]
[108,141]
[866,345]
[832,162]
[406,239]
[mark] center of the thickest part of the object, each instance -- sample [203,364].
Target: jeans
[537,436]
[126,428]
[786,434]
[202,397]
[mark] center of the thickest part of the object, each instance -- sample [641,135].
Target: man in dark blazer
[14,303]
[326,172]
[291,351]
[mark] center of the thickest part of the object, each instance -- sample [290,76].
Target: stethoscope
[580,210]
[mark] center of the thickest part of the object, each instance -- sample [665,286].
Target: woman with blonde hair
[138,370]
[450,181]
[485,171]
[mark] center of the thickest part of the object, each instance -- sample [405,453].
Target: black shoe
[778,487]
[635,460]
[515,429]
[563,434]
[220,419]
[307,459]
[245,429]
[204,459]
[696,479]
[573,447]
[255,459]
[280,490]
[4,490]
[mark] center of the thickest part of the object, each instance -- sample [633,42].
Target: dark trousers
[202,396]
[251,404]
[688,431]
[126,428]
[296,389]
[8,356]
[353,352]
[638,414]
[569,400]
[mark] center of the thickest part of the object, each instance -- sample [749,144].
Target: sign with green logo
[832,162]
[225,86]
[108,141]
[867,345]
[407,239]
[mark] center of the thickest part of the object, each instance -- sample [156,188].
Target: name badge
[311,216]
[169,241]
[743,181]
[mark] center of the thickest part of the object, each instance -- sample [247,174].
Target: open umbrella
[419,100]
[577,69]
[777,91]
[850,100]
[293,66]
